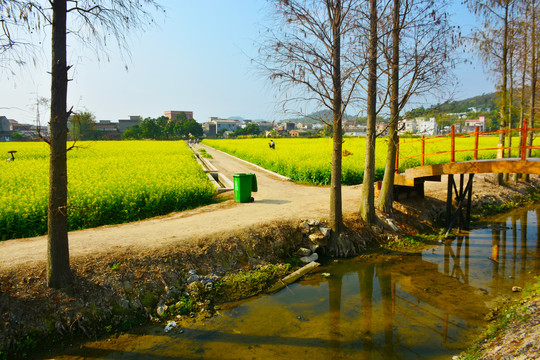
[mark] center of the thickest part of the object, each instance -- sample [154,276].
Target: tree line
[163,128]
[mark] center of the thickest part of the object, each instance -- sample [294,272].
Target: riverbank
[113,294]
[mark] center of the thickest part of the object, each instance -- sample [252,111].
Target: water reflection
[386,307]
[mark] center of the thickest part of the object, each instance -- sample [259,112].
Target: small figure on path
[272,145]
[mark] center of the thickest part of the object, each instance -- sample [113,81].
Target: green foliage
[164,128]
[109,183]
[83,126]
[248,283]
[132,133]
[183,306]
[205,154]
[251,129]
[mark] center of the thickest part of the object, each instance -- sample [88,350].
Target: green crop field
[309,160]
[108,183]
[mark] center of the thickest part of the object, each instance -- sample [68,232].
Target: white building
[427,127]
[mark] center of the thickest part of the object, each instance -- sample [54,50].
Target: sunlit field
[108,183]
[309,160]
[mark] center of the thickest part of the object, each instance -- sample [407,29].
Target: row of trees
[164,128]
[508,43]
[372,55]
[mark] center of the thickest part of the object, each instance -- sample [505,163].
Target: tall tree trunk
[386,196]
[339,246]
[58,268]
[522,99]
[504,87]
[534,74]
[510,107]
[367,201]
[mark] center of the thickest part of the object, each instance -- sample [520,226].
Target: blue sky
[196,59]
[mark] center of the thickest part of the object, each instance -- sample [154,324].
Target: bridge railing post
[452,144]
[476,133]
[397,155]
[423,150]
[524,140]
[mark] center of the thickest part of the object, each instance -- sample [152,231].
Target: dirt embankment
[124,274]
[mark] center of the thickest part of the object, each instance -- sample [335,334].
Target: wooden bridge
[415,177]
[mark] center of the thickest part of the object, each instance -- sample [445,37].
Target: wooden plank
[428,172]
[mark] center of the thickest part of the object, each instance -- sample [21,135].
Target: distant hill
[316,117]
[481,103]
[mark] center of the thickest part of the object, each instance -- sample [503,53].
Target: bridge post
[476,133]
[449,199]
[452,144]
[524,140]
[423,150]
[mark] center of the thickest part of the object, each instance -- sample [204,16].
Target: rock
[516,289]
[318,239]
[327,232]
[192,272]
[124,303]
[193,278]
[312,222]
[313,247]
[308,259]
[170,325]
[303,252]
[161,308]
[392,224]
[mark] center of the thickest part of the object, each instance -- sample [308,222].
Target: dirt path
[276,199]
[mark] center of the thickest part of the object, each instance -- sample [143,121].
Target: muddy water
[405,306]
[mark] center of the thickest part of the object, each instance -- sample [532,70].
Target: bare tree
[418,60]
[534,74]
[307,55]
[367,201]
[492,42]
[91,21]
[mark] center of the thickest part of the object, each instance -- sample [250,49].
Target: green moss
[149,300]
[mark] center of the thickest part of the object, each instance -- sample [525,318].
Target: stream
[427,305]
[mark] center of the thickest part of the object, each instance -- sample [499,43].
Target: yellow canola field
[109,182]
[310,160]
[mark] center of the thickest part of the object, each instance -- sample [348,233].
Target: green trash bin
[244,184]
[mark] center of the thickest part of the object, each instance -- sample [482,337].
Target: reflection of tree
[365,277]
[537,257]
[334,289]
[523,223]
[495,243]
[385,283]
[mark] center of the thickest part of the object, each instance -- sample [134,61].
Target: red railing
[453,135]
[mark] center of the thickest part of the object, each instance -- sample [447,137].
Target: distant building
[305,126]
[5,124]
[427,127]
[221,125]
[382,128]
[6,129]
[172,114]
[265,126]
[123,124]
[209,130]
[289,125]
[356,131]
[106,126]
[471,125]
[300,133]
